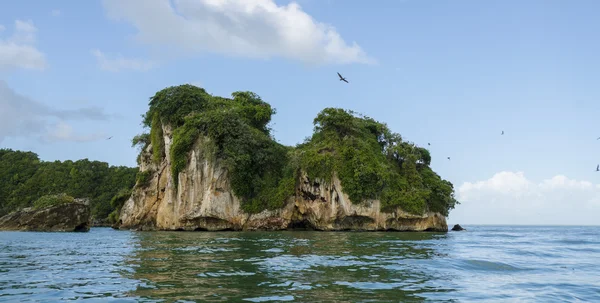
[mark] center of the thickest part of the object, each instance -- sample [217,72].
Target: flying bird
[598,167]
[502,132]
[448,158]
[342,78]
[598,138]
[109,138]
[428,143]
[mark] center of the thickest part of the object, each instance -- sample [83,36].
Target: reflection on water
[283,266]
[542,264]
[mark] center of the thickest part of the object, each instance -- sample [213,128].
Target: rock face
[457,227]
[71,217]
[203,200]
[101,223]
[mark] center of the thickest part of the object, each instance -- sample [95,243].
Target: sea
[482,264]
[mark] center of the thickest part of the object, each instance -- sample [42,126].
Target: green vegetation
[371,161]
[117,203]
[141,140]
[24,179]
[142,178]
[238,135]
[374,163]
[52,200]
[156,136]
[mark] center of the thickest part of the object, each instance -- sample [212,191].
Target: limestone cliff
[204,200]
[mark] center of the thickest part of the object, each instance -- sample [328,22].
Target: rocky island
[211,163]
[25,179]
[50,213]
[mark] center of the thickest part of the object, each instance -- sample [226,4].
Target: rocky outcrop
[203,200]
[101,223]
[70,217]
[457,227]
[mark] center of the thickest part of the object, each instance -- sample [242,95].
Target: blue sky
[453,73]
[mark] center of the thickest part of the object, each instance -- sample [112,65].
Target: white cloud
[55,12]
[511,198]
[19,51]
[61,131]
[245,28]
[118,62]
[21,116]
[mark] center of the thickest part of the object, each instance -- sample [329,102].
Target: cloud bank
[21,116]
[244,28]
[511,198]
[18,50]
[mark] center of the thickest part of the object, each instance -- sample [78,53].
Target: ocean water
[484,264]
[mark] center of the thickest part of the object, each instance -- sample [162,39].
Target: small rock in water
[64,217]
[457,227]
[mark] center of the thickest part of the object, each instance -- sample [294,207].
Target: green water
[490,264]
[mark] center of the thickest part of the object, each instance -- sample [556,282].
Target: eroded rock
[70,217]
[204,200]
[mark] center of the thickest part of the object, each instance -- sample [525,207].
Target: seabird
[109,138]
[342,78]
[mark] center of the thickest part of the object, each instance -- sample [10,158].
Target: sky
[453,73]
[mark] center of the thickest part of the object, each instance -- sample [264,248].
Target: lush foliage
[156,137]
[142,178]
[52,200]
[374,163]
[238,134]
[174,103]
[141,140]
[117,203]
[371,161]
[25,179]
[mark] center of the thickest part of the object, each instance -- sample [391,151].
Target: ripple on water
[271,298]
[303,263]
[273,250]
[371,285]
[485,264]
[223,273]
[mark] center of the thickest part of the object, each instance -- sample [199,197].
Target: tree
[24,179]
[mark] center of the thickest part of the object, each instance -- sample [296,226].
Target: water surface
[487,263]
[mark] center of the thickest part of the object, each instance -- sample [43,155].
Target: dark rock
[101,223]
[457,227]
[70,217]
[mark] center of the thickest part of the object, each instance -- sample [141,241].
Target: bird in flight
[502,132]
[598,138]
[109,138]
[342,78]
[598,167]
[428,143]
[448,158]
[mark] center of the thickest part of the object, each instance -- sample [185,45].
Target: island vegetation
[26,181]
[371,161]
[52,200]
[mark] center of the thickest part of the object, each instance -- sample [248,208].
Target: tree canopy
[371,161]
[24,179]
